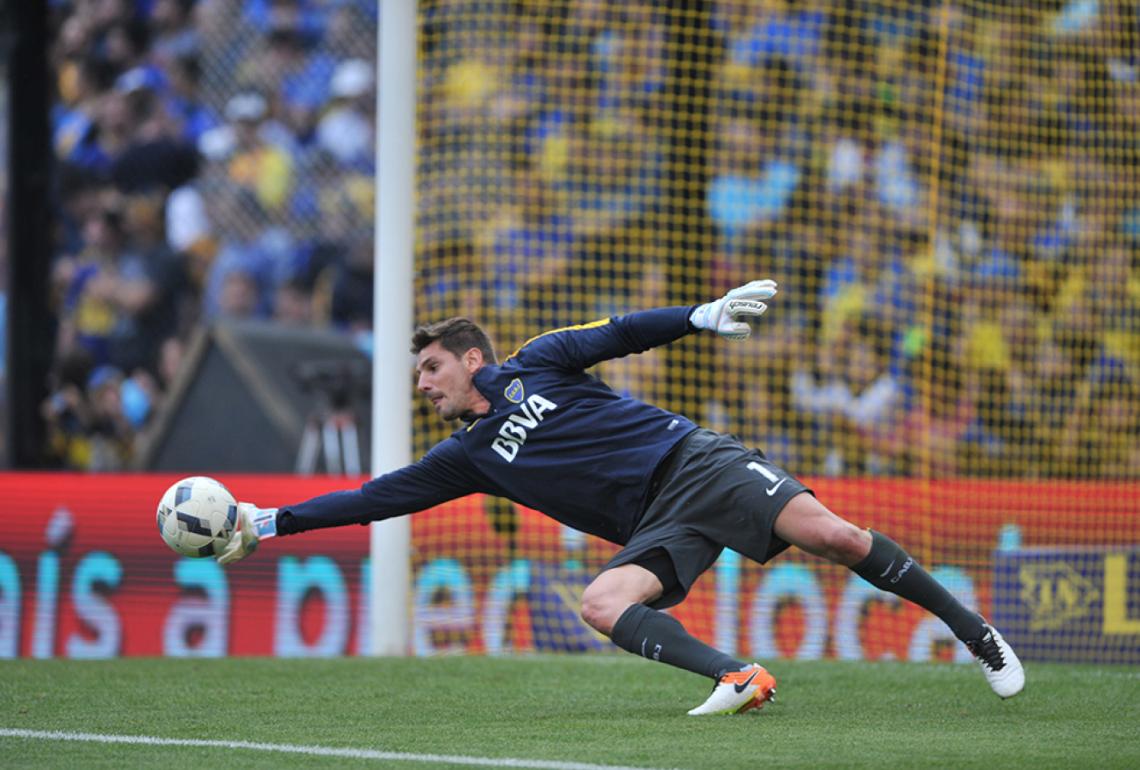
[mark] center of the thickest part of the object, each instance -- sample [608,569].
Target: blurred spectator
[175,37]
[87,285]
[109,433]
[239,296]
[350,24]
[66,411]
[79,192]
[758,166]
[120,295]
[83,82]
[88,427]
[352,284]
[771,27]
[153,297]
[227,36]
[126,45]
[187,222]
[288,66]
[184,100]
[156,157]
[293,303]
[256,149]
[933,437]
[529,253]
[253,255]
[857,402]
[1101,436]
[170,360]
[346,131]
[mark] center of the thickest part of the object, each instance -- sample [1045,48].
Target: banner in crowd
[84,574]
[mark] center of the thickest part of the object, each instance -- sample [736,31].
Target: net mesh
[946,193]
[287,162]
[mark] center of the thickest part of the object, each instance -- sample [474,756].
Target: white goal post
[390,545]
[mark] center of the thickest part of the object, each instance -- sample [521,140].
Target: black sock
[890,568]
[655,635]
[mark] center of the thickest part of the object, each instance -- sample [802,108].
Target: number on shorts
[755,466]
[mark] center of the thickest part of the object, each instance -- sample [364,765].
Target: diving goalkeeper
[539,430]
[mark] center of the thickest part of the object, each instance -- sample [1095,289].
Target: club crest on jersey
[513,431]
[514,392]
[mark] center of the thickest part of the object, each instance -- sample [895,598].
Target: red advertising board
[83,573]
[90,565]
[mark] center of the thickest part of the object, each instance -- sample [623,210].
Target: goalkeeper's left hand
[254,525]
[725,315]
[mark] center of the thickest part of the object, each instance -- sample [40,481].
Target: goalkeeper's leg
[614,603]
[807,524]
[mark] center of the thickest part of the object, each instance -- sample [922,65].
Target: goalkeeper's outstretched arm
[443,474]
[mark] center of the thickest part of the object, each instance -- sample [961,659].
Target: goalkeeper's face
[448,381]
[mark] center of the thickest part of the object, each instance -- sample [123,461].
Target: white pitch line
[311,751]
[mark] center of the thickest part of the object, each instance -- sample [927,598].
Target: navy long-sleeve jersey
[557,439]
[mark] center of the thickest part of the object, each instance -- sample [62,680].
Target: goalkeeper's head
[448,353]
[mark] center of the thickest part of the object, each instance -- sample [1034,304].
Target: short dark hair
[457,335]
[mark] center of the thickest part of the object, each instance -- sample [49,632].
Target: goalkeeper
[539,430]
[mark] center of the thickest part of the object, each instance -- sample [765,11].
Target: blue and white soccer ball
[196,516]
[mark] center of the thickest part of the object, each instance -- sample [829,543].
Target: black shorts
[714,493]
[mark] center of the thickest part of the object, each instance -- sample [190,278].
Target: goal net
[946,193]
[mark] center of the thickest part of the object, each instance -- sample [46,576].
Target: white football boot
[999,663]
[739,691]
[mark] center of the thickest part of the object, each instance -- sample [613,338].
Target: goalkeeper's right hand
[254,525]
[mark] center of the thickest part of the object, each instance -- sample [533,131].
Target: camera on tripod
[338,386]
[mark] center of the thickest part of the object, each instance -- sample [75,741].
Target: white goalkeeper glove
[254,525]
[725,315]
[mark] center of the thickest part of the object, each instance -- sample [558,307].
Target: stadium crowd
[971,310]
[214,161]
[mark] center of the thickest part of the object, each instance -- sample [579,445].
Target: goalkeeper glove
[254,525]
[724,316]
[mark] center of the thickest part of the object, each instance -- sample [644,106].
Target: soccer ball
[196,516]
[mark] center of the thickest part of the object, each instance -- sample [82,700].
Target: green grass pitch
[562,710]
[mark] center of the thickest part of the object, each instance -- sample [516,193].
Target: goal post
[393,317]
